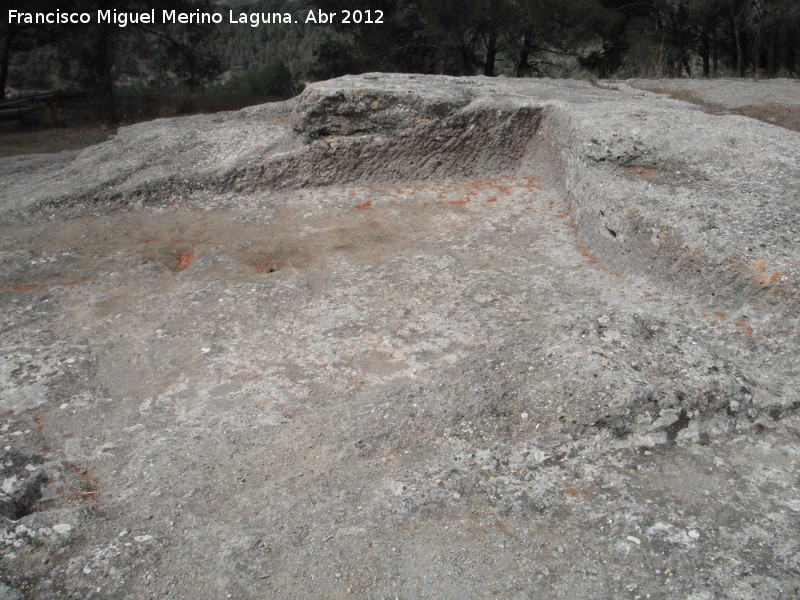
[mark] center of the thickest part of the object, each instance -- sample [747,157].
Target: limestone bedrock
[407,336]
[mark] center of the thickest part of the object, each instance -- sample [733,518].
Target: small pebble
[634,539]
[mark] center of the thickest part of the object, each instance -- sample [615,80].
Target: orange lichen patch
[353,379]
[573,228]
[26,287]
[532,182]
[721,314]
[735,263]
[758,269]
[36,286]
[267,266]
[377,190]
[648,295]
[184,261]
[580,493]
[590,258]
[776,283]
[91,493]
[741,323]
[366,205]
[447,192]
[639,170]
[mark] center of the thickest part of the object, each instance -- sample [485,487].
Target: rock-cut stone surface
[407,336]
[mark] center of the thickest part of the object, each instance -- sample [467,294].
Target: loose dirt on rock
[16,139]
[406,337]
[773,101]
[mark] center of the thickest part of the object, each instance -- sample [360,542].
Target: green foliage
[247,48]
[338,57]
[142,101]
[98,137]
[274,79]
[187,64]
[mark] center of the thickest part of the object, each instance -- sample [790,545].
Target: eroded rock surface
[406,336]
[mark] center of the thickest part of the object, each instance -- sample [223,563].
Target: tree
[21,37]
[554,27]
[93,54]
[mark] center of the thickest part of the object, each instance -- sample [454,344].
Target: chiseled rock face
[649,179]
[406,336]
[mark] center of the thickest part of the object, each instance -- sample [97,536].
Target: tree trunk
[466,61]
[5,58]
[757,55]
[491,53]
[680,21]
[104,82]
[737,36]
[741,64]
[705,51]
[686,65]
[715,53]
[770,66]
[524,54]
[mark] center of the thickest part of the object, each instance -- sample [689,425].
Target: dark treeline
[98,58]
[608,38]
[522,38]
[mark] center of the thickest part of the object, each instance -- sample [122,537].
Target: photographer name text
[174,17]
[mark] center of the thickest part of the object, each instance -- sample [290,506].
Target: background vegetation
[127,74]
